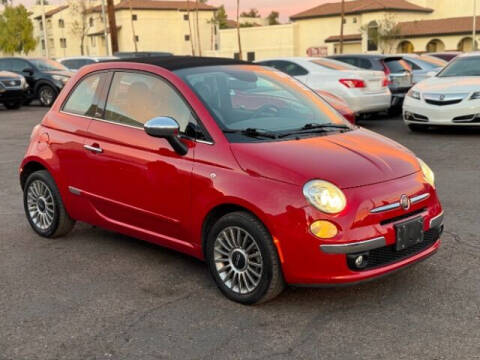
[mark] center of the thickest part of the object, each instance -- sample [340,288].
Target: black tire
[61,222]
[271,282]
[417,127]
[47,95]
[394,110]
[13,105]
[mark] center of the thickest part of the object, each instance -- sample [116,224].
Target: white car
[364,91]
[452,97]
[75,63]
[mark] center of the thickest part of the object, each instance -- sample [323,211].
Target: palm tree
[190,27]
[198,28]
[238,31]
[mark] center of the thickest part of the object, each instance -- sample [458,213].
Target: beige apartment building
[424,25]
[169,26]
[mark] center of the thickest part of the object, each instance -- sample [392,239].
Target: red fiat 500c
[233,163]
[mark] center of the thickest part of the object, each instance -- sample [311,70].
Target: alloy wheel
[40,205]
[238,260]
[47,95]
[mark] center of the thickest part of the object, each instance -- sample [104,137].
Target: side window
[290,68]
[413,66]
[82,99]
[364,64]
[348,60]
[18,65]
[4,64]
[135,98]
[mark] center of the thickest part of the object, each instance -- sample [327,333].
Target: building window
[187,37]
[372,39]
[93,41]
[251,56]
[63,43]
[134,17]
[90,22]
[61,23]
[51,43]
[43,44]
[236,56]
[136,38]
[41,25]
[354,20]
[185,17]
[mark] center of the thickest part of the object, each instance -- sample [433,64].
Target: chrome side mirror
[168,128]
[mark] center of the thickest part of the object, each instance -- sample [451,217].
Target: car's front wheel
[13,105]
[243,259]
[44,206]
[47,95]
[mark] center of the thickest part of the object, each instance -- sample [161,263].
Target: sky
[286,8]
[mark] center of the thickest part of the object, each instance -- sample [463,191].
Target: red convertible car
[233,163]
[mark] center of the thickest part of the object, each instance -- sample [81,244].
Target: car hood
[355,158]
[454,84]
[8,75]
[60,72]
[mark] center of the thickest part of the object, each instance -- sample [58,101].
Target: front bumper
[12,95]
[312,261]
[463,113]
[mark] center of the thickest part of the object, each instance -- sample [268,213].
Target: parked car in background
[423,66]
[45,77]
[338,104]
[234,163]
[75,63]
[447,55]
[13,89]
[364,91]
[452,97]
[395,68]
[140,54]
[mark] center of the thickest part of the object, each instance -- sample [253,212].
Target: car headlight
[61,78]
[475,95]
[2,88]
[427,172]
[414,94]
[325,196]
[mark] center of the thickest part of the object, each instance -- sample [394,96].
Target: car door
[139,183]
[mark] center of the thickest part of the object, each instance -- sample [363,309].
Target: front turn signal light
[323,229]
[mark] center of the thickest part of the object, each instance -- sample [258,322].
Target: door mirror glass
[168,128]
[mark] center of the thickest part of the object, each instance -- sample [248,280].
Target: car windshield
[48,65]
[431,61]
[246,97]
[462,66]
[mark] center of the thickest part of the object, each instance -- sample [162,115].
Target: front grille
[11,83]
[388,255]
[443,102]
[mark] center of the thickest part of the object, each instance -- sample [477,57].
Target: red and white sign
[317,51]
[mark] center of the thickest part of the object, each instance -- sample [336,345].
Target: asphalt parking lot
[101,295]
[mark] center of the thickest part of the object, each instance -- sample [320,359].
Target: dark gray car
[13,89]
[395,68]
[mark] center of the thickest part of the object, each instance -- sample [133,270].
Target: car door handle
[95,149]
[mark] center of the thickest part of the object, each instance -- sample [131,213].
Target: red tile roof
[157,5]
[351,37]
[53,11]
[358,7]
[452,26]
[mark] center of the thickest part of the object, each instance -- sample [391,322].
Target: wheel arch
[42,82]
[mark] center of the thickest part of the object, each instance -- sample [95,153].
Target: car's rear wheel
[243,259]
[44,206]
[13,105]
[47,95]
[417,127]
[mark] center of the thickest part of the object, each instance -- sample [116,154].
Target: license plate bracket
[409,233]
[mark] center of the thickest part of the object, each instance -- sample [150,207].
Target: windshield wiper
[253,132]
[315,127]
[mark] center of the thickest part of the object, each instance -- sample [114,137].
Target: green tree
[253,13]
[16,31]
[273,18]
[220,17]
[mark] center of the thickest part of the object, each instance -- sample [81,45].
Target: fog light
[323,229]
[359,261]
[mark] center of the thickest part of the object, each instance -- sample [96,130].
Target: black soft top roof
[183,62]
